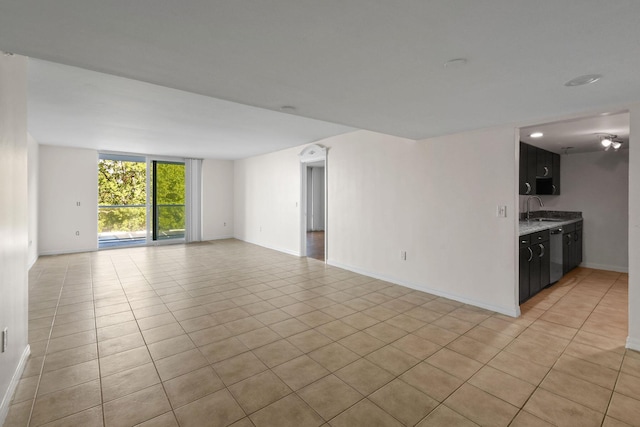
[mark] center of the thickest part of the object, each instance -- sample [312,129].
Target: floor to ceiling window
[140,200]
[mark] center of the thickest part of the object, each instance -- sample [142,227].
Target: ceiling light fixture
[536,135]
[583,80]
[609,141]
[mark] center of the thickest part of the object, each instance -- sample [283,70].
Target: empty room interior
[319,213]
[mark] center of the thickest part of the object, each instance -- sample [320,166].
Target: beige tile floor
[227,333]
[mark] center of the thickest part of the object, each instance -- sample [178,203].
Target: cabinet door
[532,163]
[545,264]
[544,168]
[523,169]
[525,258]
[577,247]
[555,179]
[567,256]
[535,271]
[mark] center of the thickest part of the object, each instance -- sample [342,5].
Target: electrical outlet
[5,339]
[77,233]
[77,203]
[501,212]
[225,224]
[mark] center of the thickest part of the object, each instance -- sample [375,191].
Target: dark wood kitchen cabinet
[571,246]
[535,264]
[539,171]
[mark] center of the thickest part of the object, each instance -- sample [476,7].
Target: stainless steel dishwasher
[556,254]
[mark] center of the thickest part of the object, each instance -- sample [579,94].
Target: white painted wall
[14,226]
[32,192]
[217,199]
[67,176]
[633,341]
[267,200]
[435,199]
[598,185]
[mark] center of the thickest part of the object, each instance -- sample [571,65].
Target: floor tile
[481,407]
[560,411]
[238,368]
[259,391]
[393,360]
[69,376]
[525,419]
[290,411]
[309,340]
[364,376]
[404,402]
[129,381]
[333,356]
[329,396]
[443,416]
[192,386]
[88,417]
[65,402]
[300,372]
[625,409]
[361,343]
[168,419]
[454,363]
[277,352]
[432,381]
[125,360]
[336,330]
[502,385]
[364,414]
[222,350]
[580,391]
[218,409]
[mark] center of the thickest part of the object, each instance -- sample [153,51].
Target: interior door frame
[311,154]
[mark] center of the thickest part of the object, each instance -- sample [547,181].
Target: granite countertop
[559,218]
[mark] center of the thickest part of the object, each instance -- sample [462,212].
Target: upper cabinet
[539,171]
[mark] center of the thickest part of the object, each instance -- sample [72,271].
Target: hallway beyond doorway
[315,245]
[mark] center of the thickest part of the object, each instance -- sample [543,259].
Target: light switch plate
[5,339]
[502,211]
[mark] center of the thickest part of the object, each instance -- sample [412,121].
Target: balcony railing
[120,225]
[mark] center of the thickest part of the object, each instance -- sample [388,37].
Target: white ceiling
[578,135]
[79,108]
[366,64]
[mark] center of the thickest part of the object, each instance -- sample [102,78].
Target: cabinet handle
[541,250]
[528,188]
[523,241]
[546,171]
[569,238]
[575,238]
[530,255]
[553,189]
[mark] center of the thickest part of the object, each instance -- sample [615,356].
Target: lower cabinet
[571,246]
[535,264]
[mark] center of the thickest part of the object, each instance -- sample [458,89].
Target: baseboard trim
[512,312]
[275,248]
[633,344]
[616,268]
[221,237]
[6,400]
[65,252]
[32,263]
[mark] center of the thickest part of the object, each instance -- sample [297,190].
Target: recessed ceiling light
[288,109]
[583,80]
[536,135]
[454,63]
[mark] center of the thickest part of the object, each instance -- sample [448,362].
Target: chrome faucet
[529,206]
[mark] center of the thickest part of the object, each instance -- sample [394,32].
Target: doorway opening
[313,210]
[140,201]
